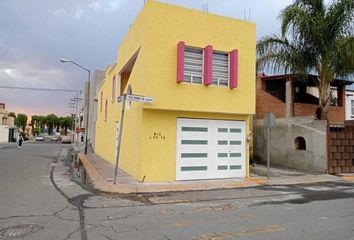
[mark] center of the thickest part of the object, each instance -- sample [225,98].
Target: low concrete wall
[4,134]
[283,148]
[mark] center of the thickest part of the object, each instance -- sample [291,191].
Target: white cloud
[8,71]
[60,12]
[115,4]
[79,12]
[106,5]
[82,8]
[95,5]
[26,74]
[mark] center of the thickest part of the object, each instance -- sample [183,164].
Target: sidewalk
[99,175]
[285,176]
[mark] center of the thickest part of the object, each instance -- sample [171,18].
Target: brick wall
[265,102]
[335,114]
[341,150]
[303,109]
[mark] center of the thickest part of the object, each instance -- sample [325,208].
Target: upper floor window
[220,69]
[101,101]
[113,88]
[352,106]
[193,65]
[205,66]
[106,111]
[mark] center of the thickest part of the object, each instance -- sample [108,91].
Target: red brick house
[298,140]
[286,96]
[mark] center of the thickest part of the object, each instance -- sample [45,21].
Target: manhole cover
[19,231]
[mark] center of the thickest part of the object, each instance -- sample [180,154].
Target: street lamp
[64,60]
[74,104]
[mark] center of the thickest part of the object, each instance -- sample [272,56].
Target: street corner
[347,177]
[257,180]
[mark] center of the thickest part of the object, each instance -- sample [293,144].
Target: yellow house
[199,69]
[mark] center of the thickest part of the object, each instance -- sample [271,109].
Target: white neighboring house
[349,105]
[8,132]
[349,100]
[96,82]
[4,133]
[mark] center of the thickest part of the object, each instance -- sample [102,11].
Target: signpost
[123,99]
[269,121]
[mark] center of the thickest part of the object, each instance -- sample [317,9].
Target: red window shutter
[180,61]
[208,65]
[233,69]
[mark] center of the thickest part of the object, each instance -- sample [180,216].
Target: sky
[35,34]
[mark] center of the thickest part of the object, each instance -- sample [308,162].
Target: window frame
[228,70]
[352,107]
[192,76]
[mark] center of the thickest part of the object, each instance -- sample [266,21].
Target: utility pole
[87,103]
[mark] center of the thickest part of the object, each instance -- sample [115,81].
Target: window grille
[193,65]
[220,69]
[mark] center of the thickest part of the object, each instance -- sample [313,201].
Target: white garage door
[208,149]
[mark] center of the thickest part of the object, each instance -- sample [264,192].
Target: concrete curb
[95,180]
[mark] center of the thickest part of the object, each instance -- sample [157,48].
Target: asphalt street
[40,200]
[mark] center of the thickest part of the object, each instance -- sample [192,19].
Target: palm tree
[314,38]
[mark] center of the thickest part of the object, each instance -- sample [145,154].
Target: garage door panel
[208,149]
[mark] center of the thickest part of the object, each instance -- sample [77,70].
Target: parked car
[66,139]
[40,138]
[55,139]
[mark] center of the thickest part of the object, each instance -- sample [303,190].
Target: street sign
[124,99]
[269,120]
[139,98]
[120,99]
[135,98]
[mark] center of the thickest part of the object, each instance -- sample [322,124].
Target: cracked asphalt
[37,187]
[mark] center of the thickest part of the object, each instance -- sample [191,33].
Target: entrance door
[209,149]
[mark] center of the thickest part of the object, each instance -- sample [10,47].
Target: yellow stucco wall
[158,156]
[106,130]
[197,29]
[155,33]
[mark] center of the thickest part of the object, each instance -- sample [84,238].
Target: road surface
[39,200]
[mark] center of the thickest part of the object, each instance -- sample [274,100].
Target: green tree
[33,124]
[12,114]
[314,38]
[40,122]
[51,121]
[66,123]
[36,131]
[21,121]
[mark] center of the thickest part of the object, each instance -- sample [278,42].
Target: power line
[40,89]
